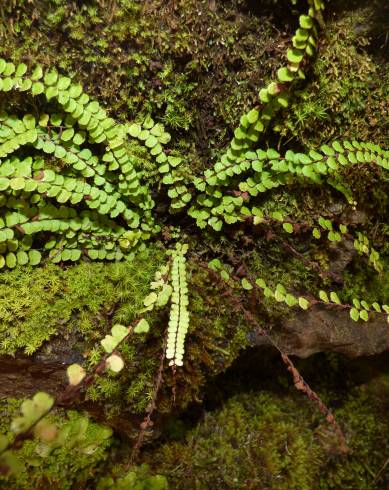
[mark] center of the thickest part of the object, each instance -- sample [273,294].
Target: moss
[217,335]
[263,439]
[138,478]
[250,443]
[142,58]
[364,414]
[197,76]
[78,305]
[360,282]
[37,304]
[345,96]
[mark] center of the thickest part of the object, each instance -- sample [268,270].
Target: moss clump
[364,414]
[36,304]
[138,478]
[252,442]
[364,283]
[271,441]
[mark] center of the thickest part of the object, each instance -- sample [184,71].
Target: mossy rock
[58,316]
[269,440]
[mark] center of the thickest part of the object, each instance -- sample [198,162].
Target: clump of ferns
[74,203]
[95,203]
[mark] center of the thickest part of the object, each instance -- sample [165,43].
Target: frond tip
[179,314]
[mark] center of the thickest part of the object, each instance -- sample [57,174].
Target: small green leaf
[278,296]
[37,73]
[67,134]
[37,88]
[306,21]
[285,75]
[264,95]
[303,303]
[252,116]
[377,307]
[290,300]
[164,295]
[334,298]
[295,55]
[151,141]
[324,296]
[356,303]
[109,343]
[364,315]
[354,314]
[76,374]
[365,305]
[11,260]
[277,215]
[119,332]
[17,183]
[260,282]
[150,299]
[142,326]
[34,257]
[288,227]
[246,284]
[115,363]
[21,70]
[224,275]
[43,402]
[272,154]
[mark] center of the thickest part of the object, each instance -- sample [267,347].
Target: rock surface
[305,334]
[321,330]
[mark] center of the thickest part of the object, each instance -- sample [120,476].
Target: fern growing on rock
[71,188]
[71,185]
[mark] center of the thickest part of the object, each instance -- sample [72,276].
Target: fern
[266,170]
[74,201]
[179,315]
[359,309]
[50,196]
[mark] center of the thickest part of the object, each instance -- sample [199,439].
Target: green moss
[36,304]
[79,304]
[345,96]
[366,284]
[249,443]
[271,441]
[140,59]
[364,414]
[258,439]
[138,478]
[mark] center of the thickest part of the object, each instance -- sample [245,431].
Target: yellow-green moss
[39,303]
